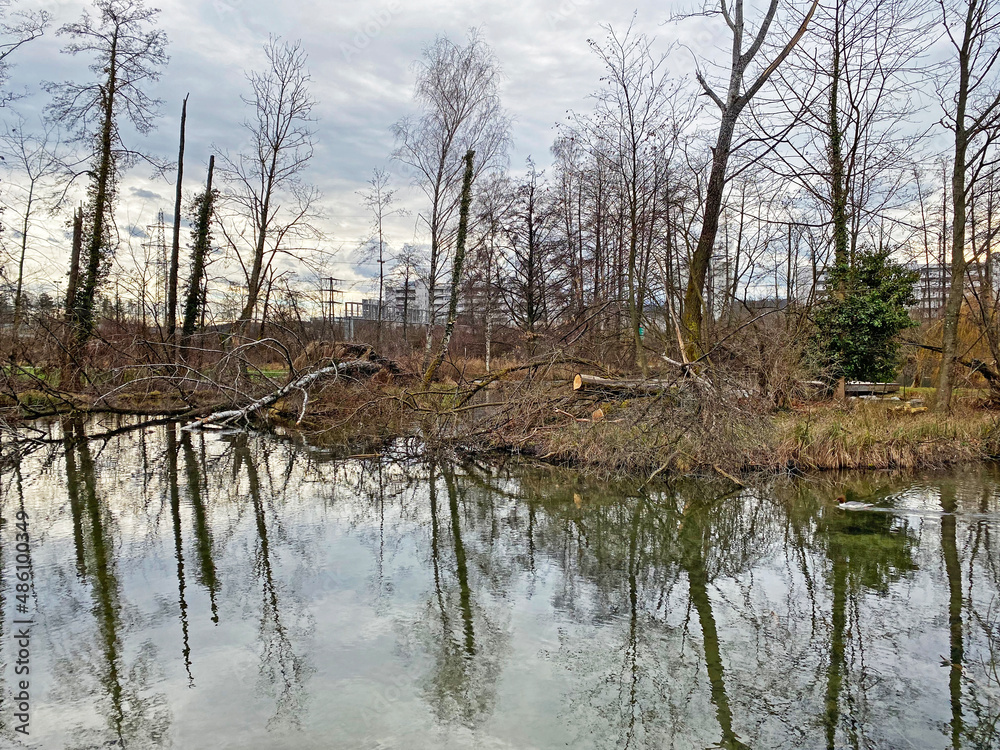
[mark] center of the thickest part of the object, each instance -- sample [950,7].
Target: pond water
[204,590]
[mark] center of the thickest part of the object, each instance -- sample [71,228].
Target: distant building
[931,289]
[407,301]
[759,306]
[410,300]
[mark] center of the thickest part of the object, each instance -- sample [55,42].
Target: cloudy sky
[361,61]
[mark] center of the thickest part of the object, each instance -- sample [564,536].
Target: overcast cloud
[361,60]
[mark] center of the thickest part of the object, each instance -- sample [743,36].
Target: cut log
[593,383]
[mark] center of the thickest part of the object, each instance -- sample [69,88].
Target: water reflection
[464,639]
[208,590]
[197,496]
[866,552]
[696,539]
[282,671]
[175,516]
[134,715]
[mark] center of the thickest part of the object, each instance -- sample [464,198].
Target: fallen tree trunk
[539,364]
[593,383]
[243,415]
[990,375]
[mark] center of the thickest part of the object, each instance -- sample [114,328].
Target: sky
[361,61]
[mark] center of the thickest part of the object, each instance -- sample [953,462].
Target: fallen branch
[975,365]
[728,476]
[243,415]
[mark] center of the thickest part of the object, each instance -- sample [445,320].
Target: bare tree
[633,128]
[378,199]
[33,160]
[569,165]
[857,134]
[127,56]
[175,246]
[407,270]
[16,30]
[269,203]
[458,89]
[738,94]
[527,275]
[493,202]
[972,113]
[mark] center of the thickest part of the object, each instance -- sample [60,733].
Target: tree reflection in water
[281,668]
[197,496]
[465,639]
[134,715]
[511,607]
[663,546]
[866,551]
[175,517]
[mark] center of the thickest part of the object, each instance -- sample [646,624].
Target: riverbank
[682,431]
[821,436]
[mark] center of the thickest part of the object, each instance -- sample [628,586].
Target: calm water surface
[224,591]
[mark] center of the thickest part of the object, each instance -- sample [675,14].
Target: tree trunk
[737,97]
[838,188]
[381,284]
[709,230]
[956,290]
[254,279]
[175,249]
[434,259]
[456,270]
[68,377]
[86,297]
[199,255]
[406,308]
[634,296]
[488,322]
[74,263]
[586,383]
[959,193]
[18,291]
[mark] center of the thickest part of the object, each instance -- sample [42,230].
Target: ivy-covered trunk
[456,269]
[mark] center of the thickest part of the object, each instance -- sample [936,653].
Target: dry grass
[710,434]
[870,435]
